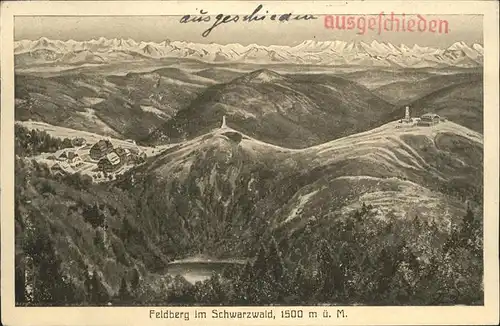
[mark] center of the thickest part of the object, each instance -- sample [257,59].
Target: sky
[467,28]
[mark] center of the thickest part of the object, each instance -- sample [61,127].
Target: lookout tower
[223,122]
[407,118]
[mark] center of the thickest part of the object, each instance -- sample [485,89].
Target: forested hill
[232,196]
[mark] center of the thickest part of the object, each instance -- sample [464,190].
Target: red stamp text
[386,23]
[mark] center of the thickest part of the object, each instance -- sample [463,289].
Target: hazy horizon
[466,28]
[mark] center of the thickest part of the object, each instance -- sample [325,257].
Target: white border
[456,315]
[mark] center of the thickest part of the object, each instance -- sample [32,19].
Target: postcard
[249,163]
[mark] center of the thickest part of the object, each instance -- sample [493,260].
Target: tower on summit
[223,122]
[407,118]
[407,113]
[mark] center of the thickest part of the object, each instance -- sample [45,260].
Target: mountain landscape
[406,92]
[292,110]
[185,174]
[331,53]
[127,106]
[226,193]
[225,170]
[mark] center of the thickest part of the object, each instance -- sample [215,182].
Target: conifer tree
[260,264]
[277,272]
[326,272]
[20,282]
[244,283]
[87,283]
[135,280]
[124,293]
[275,262]
[467,230]
[99,294]
[299,283]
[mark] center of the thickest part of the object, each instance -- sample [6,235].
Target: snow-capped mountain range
[102,50]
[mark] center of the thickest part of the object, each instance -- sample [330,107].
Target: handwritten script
[256,15]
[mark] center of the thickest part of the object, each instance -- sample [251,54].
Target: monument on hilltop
[224,125]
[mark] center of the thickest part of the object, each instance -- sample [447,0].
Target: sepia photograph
[248,159]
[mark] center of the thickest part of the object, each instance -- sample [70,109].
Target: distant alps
[329,53]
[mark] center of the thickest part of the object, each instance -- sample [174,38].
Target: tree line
[34,142]
[341,274]
[394,275]
[360,259]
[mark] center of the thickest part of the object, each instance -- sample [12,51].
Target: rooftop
[62,166]
[113,158]
[102,144]
[430,115]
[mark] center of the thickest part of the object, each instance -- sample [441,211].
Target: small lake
[199,270]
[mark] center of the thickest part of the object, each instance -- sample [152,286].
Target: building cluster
[107,157]
[426,120]
[68,161]
[110,159]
